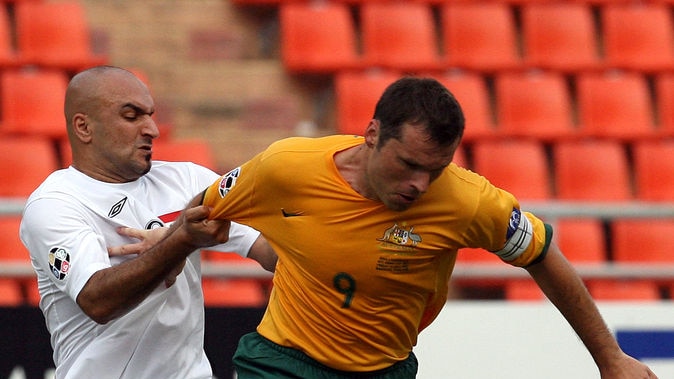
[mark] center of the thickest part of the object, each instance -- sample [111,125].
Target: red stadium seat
[518,166]
[642,240]
[241,292]
[664,98]
[534,104]
[190,150]
[310,46]
[472,93]
[581,240]
[25,164]
[356,95]
[654,170]
[638,36]
[591,170]
[31,102]
[479,35]
[55,35]
[8,55]
[615,105]
[10,293]
[399,36]
[560,36]
[624,290]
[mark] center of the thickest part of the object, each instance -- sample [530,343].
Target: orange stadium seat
[399,36]
[309,45]
[55,34]
[233,293]
[25,164]
[10,293]
[615,104]
[471,90]
[518,166]
[591,170]
[8,56]
[241,292]
[624,290]
[654,170]
[522,290]
[581,240]
[534,104]
[664,98]
[560,36]
[479,35]
[647,241]
[638,36]
[31,102]
[13,251]
[190,150]
[642,240]
[356,95]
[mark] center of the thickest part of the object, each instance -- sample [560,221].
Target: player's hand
[627,368]
[201,231]
[147,239]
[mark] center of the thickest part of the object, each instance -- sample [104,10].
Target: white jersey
[68,223]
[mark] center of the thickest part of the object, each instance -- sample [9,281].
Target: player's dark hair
[419,101]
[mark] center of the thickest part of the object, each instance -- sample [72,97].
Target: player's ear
[372,133]
[81,127]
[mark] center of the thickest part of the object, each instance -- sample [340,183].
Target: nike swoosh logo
[290,214]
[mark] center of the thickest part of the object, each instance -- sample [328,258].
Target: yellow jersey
[356,282]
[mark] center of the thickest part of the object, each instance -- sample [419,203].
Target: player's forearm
[565,289]
[111,292]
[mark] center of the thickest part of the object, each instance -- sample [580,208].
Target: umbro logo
[291,214]
[117,208]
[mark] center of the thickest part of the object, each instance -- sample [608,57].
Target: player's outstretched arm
[565,289]
[111,292]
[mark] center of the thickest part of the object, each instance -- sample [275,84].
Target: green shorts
[258,358]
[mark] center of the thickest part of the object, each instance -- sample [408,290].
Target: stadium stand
[472,91]
[591,170]
[31,102]
[560,36]
[638,36]
[615,104]
[654,170]
[308,46]
[535,104]
[26,162]
[356,94]
[664,98]
[518,166]
[399,36]
[55,35]
[479,36]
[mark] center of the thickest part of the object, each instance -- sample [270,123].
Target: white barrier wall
[531,340]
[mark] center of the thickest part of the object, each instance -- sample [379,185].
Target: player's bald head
[89,89]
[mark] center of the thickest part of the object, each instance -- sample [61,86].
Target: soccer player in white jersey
[135,315]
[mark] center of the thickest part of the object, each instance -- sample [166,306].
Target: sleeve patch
[59,262]
[228,181]
[518,237]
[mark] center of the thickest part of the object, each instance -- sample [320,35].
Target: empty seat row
[567,36]
[545,105]
[588,170]
[46,34]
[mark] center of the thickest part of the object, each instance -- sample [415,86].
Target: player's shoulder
[313,144]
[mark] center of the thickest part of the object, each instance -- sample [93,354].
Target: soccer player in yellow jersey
[367,231]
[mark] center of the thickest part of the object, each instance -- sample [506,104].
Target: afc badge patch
[228,181]
[59,262]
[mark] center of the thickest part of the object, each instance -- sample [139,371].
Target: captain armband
[518,238]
